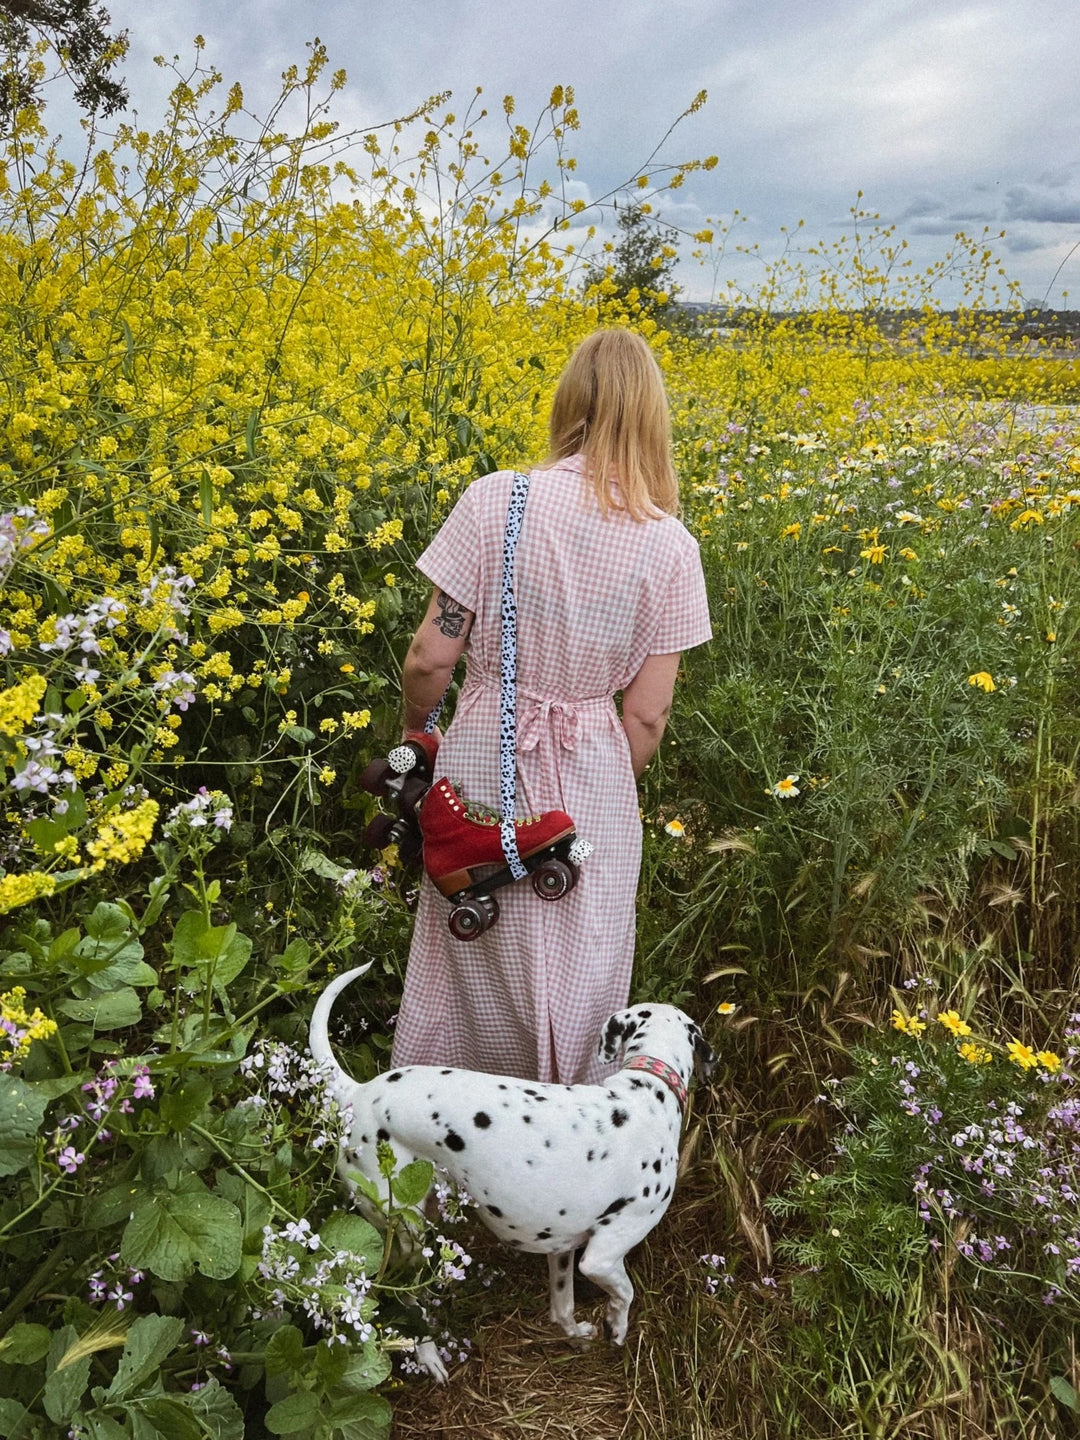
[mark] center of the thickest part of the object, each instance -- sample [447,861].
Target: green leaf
[11,1413]
[103,1427]
[206,497]
[111,1011]
[149,1340]
[320,864]
[1064,1392]
[361,1417]
[347,1231]
[162,1417]
[284,1353]
[25,1344]
[46,834]
[295,1412]
[108,923]
[219,950]
[22,1109]
[170,1234]
[66,1383]
[365,1368]
[295,956]
[250,431]
[186,1102]
[413,1182]
[216,1411]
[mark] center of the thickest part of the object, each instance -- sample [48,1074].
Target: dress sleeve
[684,616]
[452,561]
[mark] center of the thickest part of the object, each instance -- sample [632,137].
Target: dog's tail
[318,1033]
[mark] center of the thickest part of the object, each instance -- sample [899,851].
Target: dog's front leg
[561,1283]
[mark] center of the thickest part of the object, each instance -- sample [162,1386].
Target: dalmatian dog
[552,1168]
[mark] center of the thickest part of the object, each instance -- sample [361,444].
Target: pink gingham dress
[595,596]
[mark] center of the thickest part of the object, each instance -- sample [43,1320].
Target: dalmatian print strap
[515,513]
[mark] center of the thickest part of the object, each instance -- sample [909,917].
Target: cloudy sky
[946,114]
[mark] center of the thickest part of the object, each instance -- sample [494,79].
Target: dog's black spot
[363,1140]
[607,1221]
[547,1144]
[394,1075]
[561,1284]
[527,1119]
[619,1117]
[590,1155]
[660,1094]
[516,1244]
[446,1072]
[564,1261]
[644,1164]
[494,1210]
[530,1163]
[644,1014]
[502,1087]
[617,1205]
[656,1166]
[645,1193]
[562,1212]
[544,1235]
[382,1134]
[454,1141]
[604,1154]
[666,1193]
[435,1114]
[636,1084]
[530,1092]
[481,1119]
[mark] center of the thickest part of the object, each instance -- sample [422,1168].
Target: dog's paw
[577,1329]
[430,1361]
[615,1327]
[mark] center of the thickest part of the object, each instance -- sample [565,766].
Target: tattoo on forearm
[453,622]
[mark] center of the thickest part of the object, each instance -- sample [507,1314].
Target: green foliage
[76,30]
[637,268]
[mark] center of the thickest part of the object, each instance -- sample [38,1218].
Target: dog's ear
[704,1055]
[614,1036]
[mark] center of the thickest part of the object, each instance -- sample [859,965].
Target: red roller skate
[460,838]
[402,778]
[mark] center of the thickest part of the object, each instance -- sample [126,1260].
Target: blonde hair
[611,407]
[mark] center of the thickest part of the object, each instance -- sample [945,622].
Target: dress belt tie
[539,716]
[562,718]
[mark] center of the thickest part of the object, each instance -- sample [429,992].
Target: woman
[609,591]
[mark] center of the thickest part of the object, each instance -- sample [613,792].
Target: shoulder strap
[515,513]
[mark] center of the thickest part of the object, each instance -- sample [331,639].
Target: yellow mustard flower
[983,680]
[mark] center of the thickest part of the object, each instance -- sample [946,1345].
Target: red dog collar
[663,1071]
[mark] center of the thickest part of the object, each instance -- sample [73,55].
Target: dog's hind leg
[602,1263]
[561,1283]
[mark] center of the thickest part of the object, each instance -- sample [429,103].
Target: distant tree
[642,259]
[78,30]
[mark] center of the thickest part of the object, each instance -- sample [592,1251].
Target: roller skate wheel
[375,775]
[472,917]
[579,851]
[402,759]
[377,832]
[552,879]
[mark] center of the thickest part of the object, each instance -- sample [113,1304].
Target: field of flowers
[248,368]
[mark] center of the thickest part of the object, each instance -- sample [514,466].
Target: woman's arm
[436,648]
[646,703]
